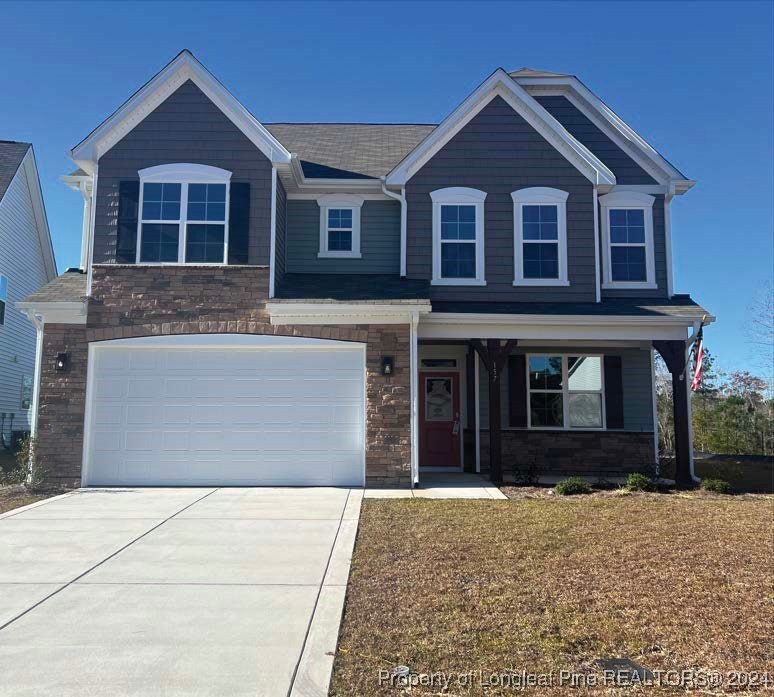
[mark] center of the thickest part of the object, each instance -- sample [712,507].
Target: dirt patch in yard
[17,496]
[551,584]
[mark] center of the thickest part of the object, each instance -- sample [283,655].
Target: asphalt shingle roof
[11,156]
[69,287]
[349,150]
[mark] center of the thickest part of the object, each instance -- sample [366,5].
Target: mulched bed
[549,583]
[16,496]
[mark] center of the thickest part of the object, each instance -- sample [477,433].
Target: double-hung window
[627,233]
[458,236]
[183,215]
[540,234]
[565,391]
[340,226]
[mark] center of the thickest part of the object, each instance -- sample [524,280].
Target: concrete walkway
[189,592]
[443,485]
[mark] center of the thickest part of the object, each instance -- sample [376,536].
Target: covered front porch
[526,398]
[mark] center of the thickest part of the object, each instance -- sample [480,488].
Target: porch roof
[679,306]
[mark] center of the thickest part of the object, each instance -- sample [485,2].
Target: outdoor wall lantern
[62,359]
[388,365]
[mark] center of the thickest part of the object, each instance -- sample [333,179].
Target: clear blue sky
[695,79]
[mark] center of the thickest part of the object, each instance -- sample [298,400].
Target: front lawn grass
[669,581]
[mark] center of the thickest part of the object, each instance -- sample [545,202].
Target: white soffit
[182,68]
[501,84]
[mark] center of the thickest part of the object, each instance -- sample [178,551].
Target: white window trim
[539,196]
[565,392]
[458,196]
[4,300]
[183,173]
[346,201]
[628,200]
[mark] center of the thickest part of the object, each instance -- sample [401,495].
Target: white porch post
[476,380]
[414,392]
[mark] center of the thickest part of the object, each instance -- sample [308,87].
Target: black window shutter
[238,222]
[517,391]
[614,391]
[126,235]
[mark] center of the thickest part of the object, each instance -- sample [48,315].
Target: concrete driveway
[192,592]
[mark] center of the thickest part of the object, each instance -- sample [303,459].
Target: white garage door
[225,410]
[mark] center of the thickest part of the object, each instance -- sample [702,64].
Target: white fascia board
[183,67]
[55,312]
[344,313]
[536,328]
[501,84]
[612,125]
[30,170]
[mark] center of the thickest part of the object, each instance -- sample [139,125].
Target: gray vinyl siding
[281,227]
[626,170]
[379,240]
[186,127]
[636,376]
[659,245]
[21,261]
[499,152]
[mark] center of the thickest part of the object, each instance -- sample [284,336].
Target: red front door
[439,420]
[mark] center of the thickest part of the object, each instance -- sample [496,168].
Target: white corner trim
[501,84]
[273,238]
[344,201]
[185,173]
[459,196]
[597,261]
[628,200]
[539,195]
[182,68]
[668,243]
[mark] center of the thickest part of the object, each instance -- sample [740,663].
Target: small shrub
[28,471]
[716,486]
[572,486]
[640,482]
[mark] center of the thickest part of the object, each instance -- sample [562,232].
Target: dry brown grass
[15,496]
[542,585]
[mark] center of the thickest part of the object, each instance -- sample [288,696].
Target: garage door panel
[220,416]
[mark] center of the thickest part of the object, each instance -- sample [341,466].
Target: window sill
[538,282]
[635,285]
[339,255]
[458,282]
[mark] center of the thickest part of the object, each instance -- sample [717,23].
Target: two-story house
[26,264]
[347,303]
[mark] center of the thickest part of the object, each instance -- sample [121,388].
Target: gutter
[403,211]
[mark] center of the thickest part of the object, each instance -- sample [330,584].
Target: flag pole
[693,345]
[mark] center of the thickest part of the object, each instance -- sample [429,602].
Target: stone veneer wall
[132,301]
[602,454]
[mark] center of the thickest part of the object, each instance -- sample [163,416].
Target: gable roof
[349,150]
[17,158]
[623,135]
[501,84]
[11,156]
[180,69]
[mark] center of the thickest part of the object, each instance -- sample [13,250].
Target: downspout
[414,396]
[37,320]
[85,237]
[403,209]
[92,222]
[273,243]
[668,235]
[597,274]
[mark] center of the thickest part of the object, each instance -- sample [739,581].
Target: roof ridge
[15,142]
[344,123]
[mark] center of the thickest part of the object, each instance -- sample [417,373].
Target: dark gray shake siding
[379,240]
[499,152]
[626,170]
[186,127]
[281,228]
[659,244]
[635,375]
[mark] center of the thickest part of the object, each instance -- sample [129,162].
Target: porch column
[674,355]
[494,355]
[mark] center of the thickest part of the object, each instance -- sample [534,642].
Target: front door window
[439,403]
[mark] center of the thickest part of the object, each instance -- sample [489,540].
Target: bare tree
[760,329]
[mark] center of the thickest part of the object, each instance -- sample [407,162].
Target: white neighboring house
[26,263]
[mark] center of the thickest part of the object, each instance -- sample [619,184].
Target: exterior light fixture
[62,361]
[388,365]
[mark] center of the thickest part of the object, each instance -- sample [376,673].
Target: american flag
[698,359]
